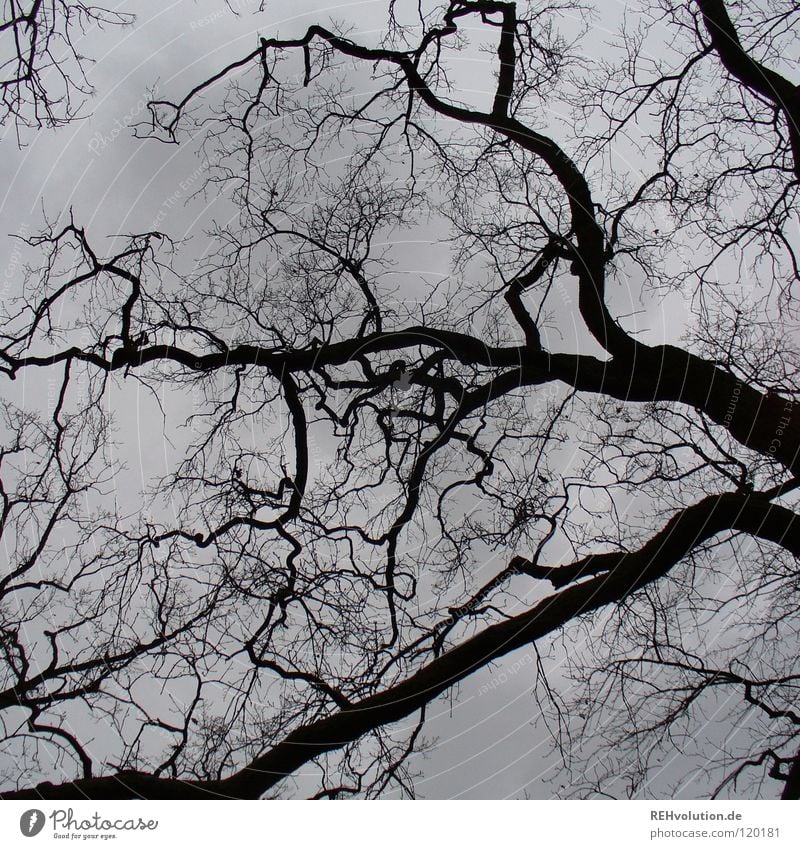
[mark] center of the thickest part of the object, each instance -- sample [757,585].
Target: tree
[42,72]
[393,479]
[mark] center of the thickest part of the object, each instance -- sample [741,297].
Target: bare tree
[42,71]
[392,479]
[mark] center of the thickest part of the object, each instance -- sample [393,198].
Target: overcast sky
[486,743]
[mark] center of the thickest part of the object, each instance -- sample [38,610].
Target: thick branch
[751,73]
[764,422]
[689,528]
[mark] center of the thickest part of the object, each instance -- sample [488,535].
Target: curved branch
[753,74]
[631,571]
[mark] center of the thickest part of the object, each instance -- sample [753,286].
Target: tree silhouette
[42,71]
[392,478]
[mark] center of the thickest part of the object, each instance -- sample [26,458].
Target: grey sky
[485,743]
